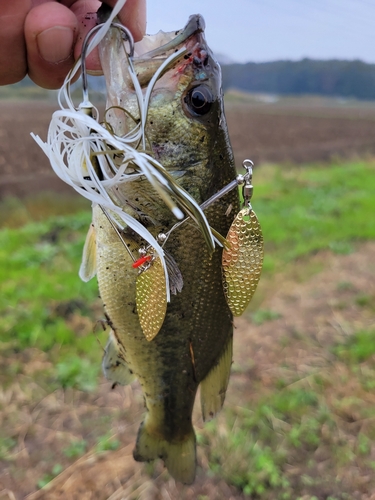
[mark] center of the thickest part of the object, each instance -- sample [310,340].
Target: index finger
[13,62]
[132,15]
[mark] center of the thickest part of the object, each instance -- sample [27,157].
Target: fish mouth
[162,44]
[153,50]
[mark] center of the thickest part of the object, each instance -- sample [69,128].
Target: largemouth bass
[187,133]
[169,289]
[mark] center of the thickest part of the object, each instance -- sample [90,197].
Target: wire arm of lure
[244,180]
[247,191]
[225,190]
[145,259]
[127,37]
[117,232]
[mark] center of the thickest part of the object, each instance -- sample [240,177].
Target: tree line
[354,79]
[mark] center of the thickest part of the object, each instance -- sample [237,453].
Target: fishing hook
[126,36]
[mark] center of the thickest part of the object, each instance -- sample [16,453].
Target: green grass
[6,445]
[40,290]
[17,213]
[358,348]
[302,210]
[306,209]
[76,448]
[23,91]
[262,315]
[107,443]
[286,428]
[253,454]
[47,478]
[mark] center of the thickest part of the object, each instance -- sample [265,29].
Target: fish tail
[179,456]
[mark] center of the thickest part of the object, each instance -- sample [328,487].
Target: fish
[190,339]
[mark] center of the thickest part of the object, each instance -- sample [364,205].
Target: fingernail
[56,44]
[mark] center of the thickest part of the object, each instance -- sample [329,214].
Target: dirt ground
[295,132]
[299,135]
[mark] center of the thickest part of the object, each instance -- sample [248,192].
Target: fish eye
[199,99]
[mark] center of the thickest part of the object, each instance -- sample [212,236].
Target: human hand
[43,38]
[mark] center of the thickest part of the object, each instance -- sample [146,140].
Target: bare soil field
[295,131]
[24,167]
[300,130]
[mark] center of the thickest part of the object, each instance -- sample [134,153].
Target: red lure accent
[141,261]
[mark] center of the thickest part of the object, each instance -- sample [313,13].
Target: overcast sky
[266,30]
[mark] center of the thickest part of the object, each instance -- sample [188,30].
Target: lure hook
[126,36]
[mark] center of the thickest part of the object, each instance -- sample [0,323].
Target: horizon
[294,60]
[249,31]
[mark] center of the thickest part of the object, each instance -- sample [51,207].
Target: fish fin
[179,456]
[88,265]
[214,386]
[176,281]
[114,365]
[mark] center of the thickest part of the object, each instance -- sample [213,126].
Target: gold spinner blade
[151,299]
[242,262]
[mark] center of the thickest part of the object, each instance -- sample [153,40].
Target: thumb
[50,33]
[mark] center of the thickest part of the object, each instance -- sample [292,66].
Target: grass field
[299,420]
